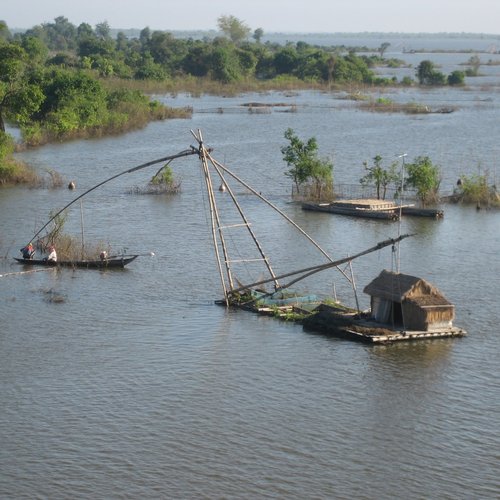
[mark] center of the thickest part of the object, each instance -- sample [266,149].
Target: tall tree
[232,27]
[258,34]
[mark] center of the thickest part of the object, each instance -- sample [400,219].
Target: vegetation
[380,177]
[428,75]
[423,176]
[12,171]
[477,189]
[305,165]
[68,247]
[383,104]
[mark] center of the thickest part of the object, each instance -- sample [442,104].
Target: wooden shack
[410,302]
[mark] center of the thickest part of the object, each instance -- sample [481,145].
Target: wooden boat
[355,210]
[118,262]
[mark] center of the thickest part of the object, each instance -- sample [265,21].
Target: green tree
[74,101]
[456,78]
[18,97]
[225,64]
[232,27]
[428,75]
[4,32]
[424,177]
[302,158]
[258,34]
[379,177]
[286,60]
[474,63]
[102,30]
[383,48]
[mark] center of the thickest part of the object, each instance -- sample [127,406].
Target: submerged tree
[428,75]
[379,177]
[424,177]
[302,158]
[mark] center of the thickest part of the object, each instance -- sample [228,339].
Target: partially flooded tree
[302,158]
[425,178]
[379,177]
[383,48]
[428,75]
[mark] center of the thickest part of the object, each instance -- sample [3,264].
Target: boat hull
[114,263]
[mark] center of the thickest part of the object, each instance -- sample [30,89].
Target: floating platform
[373,209]
[360,327]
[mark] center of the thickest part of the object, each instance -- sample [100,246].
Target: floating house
[410,302]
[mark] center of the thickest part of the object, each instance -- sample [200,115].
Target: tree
[427,74]
[18,97]
[286,60]
[102,30]
[258,34]
[379,177]
[232,27]
[383,48]
[225,64]
[474,64]
[456,78]
[302,158]
[4,31]
[425,177]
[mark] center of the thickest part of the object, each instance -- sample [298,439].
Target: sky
[284,16]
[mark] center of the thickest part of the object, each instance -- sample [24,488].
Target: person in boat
[28,251]
[52,257]
[103,255]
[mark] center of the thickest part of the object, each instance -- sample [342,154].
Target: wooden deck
[361,328]
[373,209]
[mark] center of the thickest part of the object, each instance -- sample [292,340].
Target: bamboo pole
[308,271]
[248,226]
[274,207]
[214,218]
[186,152]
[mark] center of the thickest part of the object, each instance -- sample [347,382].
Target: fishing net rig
[230,285]
[214,171]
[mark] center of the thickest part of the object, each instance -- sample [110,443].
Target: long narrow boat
[110,263]
[387,214]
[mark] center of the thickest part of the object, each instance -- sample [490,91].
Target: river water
[133,384]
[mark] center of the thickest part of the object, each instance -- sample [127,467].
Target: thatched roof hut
[410,302]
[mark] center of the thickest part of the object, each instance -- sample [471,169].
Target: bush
[476,189]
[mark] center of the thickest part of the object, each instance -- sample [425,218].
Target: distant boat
[111,262]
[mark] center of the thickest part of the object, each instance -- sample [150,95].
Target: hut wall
[440,316]
[427,318]
[414,317]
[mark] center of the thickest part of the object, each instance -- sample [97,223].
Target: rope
[186,152]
